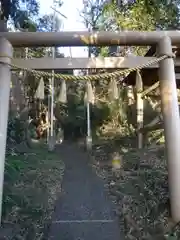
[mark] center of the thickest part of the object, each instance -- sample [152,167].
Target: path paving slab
[84,210]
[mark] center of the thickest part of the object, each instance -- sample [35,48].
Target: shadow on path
[84,211]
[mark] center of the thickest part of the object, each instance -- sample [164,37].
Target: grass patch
[32,184]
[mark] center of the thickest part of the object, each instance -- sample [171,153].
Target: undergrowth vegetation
[31,185]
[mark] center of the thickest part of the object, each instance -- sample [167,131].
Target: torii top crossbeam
[135,38]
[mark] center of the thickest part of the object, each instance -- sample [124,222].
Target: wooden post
[170,110]
[5,80]
[140,109]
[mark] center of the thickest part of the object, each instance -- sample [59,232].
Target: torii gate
[162,39]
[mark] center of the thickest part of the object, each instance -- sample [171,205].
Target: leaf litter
[140,190]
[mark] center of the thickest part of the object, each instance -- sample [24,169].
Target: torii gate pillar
[170,110]
[5,80]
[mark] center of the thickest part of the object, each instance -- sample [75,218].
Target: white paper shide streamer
[62,98]
[139,82]
[113,90]
[89,94]
[39,94]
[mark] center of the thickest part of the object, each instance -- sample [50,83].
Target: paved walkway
[84,211]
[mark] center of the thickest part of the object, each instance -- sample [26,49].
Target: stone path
[84,211]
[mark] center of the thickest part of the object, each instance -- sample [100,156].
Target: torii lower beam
[86,63]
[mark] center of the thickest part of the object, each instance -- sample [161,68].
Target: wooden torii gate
[163,41]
